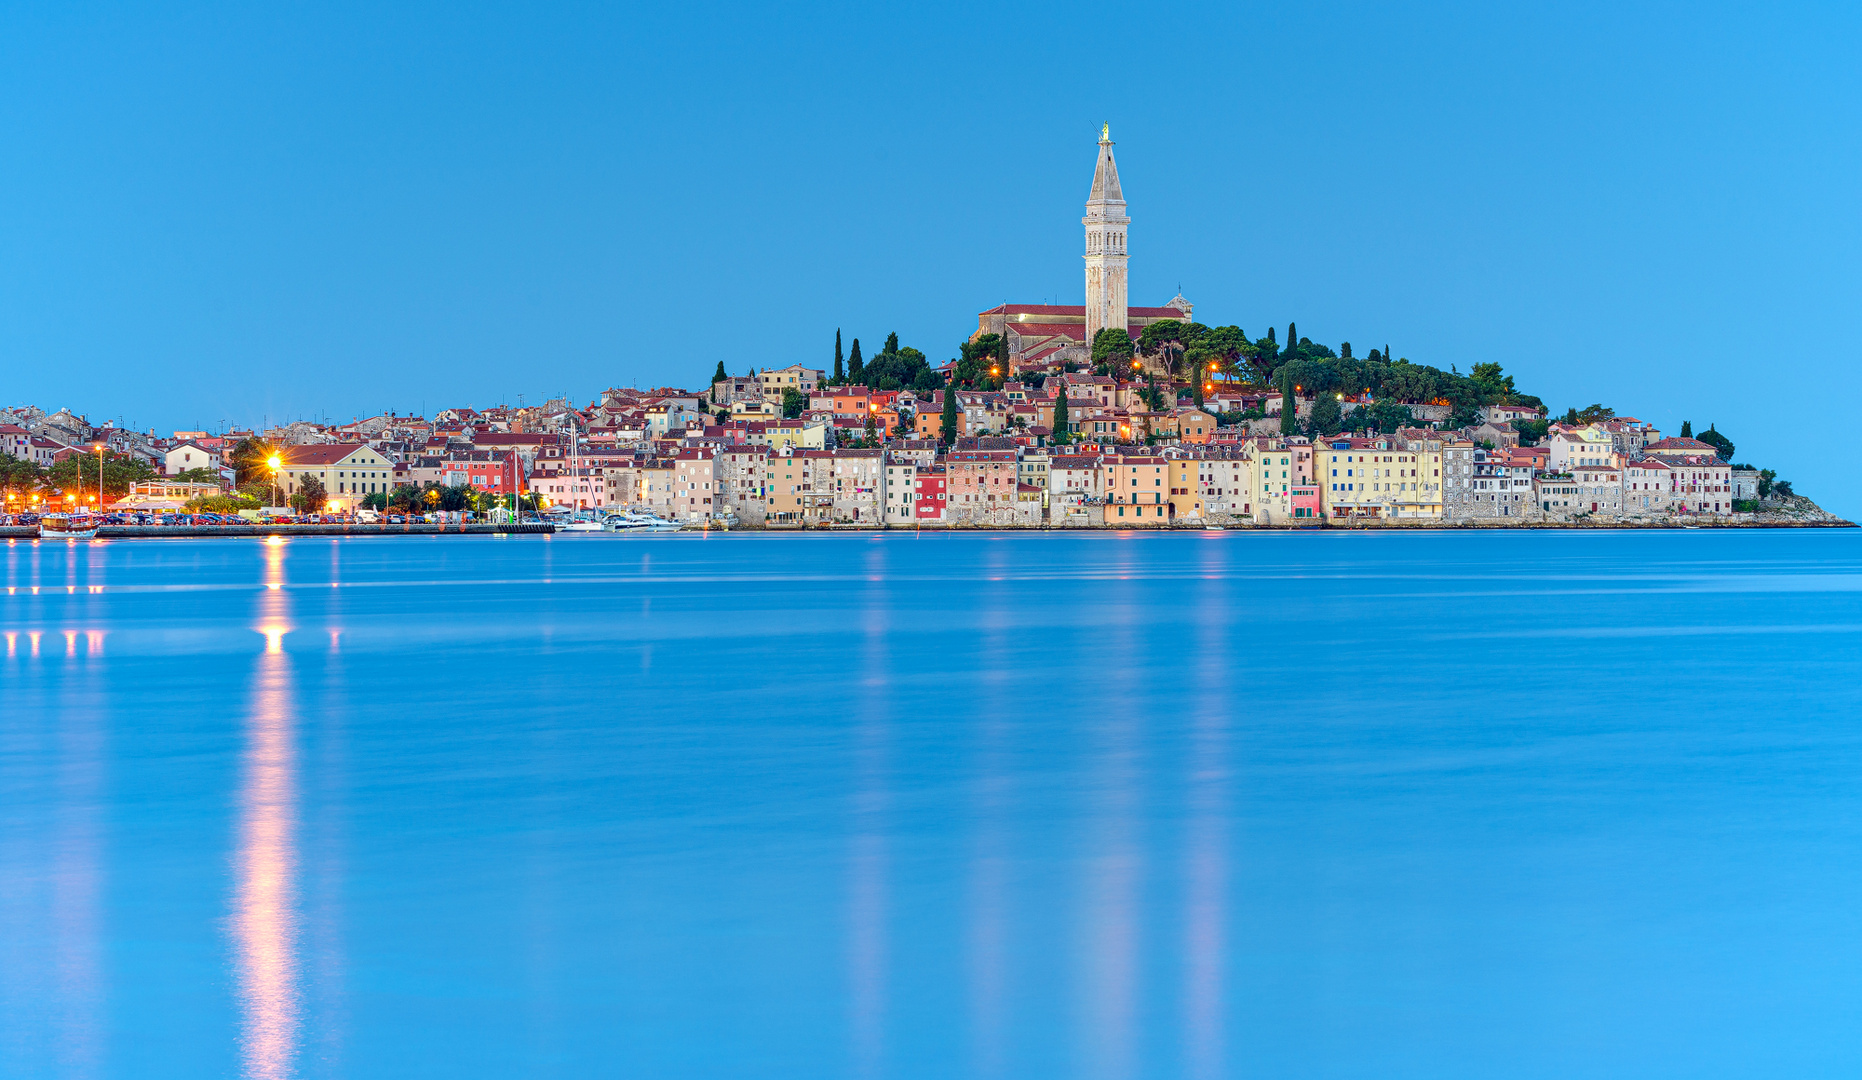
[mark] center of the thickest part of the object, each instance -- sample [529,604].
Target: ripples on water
[1199,805]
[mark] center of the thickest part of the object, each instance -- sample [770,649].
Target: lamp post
[274,461]
[99,448]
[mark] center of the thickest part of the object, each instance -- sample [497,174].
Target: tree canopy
[1722,446]
[78,473]
[1112,346]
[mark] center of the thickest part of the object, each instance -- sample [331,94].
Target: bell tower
[1105,223]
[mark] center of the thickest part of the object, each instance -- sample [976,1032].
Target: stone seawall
[198,532]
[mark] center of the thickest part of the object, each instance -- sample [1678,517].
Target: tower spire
[1105,223]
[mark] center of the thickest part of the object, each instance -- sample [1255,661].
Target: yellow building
[349,472]
[755,410]
[794,377]
[796,434]
[1379,478]
[1186,495]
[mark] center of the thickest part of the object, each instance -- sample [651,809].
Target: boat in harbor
[633,522]
[580,526]
[68,526]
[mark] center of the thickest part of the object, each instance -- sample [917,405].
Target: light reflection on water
[265,918]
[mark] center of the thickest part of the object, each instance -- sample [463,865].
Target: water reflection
[868,954]
[265,917]
[989,868]
[77,868]
[1206,867]
[1114,864]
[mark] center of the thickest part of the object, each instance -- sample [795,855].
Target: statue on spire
[1105,133]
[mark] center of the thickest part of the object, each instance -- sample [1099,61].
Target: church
[1045,336]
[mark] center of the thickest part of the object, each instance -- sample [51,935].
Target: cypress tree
[892,343]
[1293,339]
[719,376]
[1344,351]
[1289,410]
[1687,429]
[1196,388]
[1388,359]
[840,372]
[949,426]
[854,363]
[1060,414]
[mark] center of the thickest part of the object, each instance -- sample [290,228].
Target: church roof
[1105,174]
[1079,311]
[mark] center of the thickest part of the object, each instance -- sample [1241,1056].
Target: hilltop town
[1091,416]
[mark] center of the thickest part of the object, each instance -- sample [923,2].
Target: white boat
[632,522]
[68,526]
[580,526]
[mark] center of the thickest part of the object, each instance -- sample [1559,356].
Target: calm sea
[1537,804]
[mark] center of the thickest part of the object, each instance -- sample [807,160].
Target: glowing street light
[99,448]
[274,461]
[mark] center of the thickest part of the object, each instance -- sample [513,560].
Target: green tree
[719,376]
[19,478]
[1326,416]
[1722,446]
[892,342]
[310,496]
[1112,346]
[79,472]
[982,363]
[1289,410]
[1389,416]
[249,459]
[948,426]
[854,362]
[408,498]
[1766,476]
[1060,415]
[1531,432]
[198,476]
[793,402]
[1687,429]
[1495,388]
[840,371]
[895,369]
[1591,414]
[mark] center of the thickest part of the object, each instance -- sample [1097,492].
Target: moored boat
[632,522]
[68,526]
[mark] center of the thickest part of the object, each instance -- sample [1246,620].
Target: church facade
[1042,336]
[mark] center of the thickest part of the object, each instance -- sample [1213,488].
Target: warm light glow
[264,923]
[274,461]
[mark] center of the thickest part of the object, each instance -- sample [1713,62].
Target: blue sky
[230,213]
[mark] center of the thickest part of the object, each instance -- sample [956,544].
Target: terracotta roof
[328,454]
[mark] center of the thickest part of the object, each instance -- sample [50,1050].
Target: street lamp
[99,448]
[274,461]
